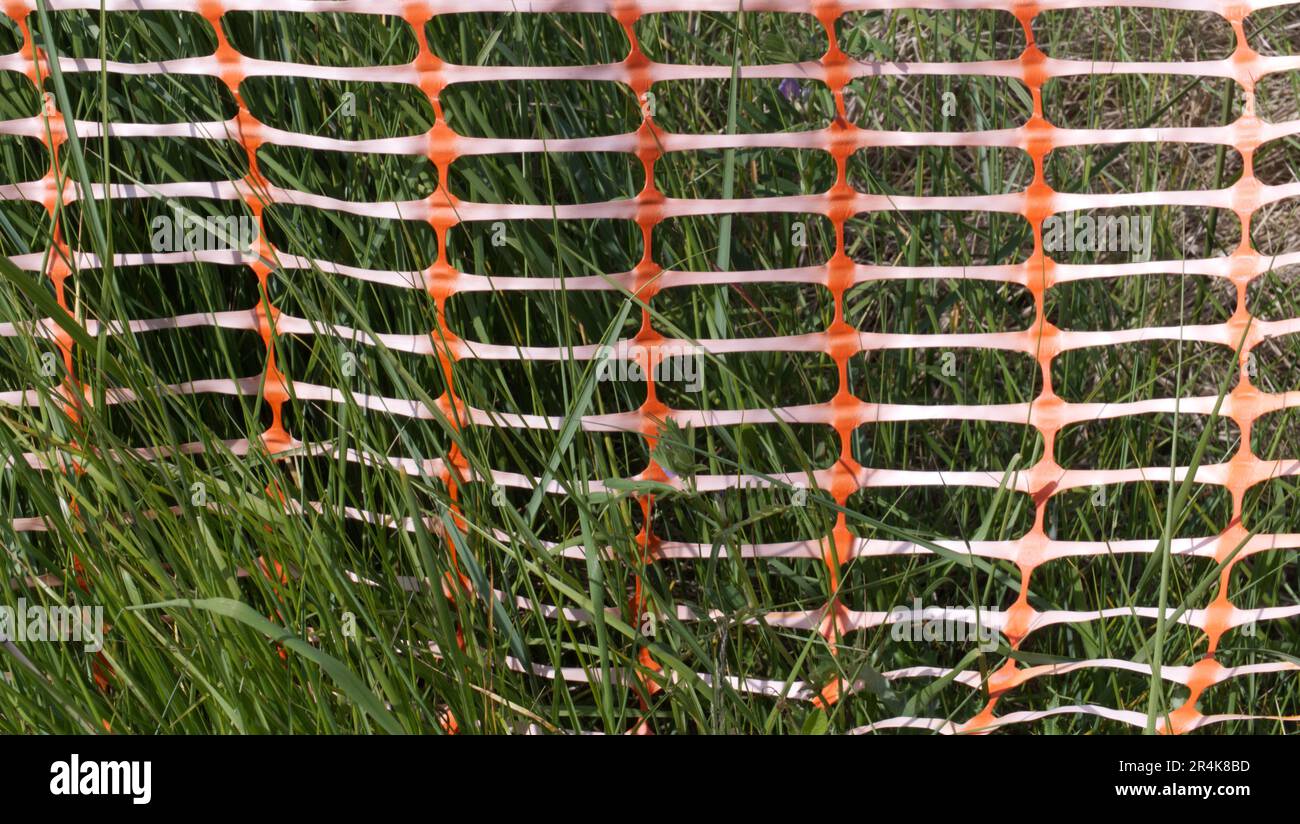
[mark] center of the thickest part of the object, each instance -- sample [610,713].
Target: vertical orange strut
[654,412]
[441,282]
[275,439]
[1245,403]
[53,134]
[842,343]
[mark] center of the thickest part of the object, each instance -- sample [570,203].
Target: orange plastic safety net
[1048,413]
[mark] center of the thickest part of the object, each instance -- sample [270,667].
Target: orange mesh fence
[1047,413]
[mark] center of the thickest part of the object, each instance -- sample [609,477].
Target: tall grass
[308,593]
